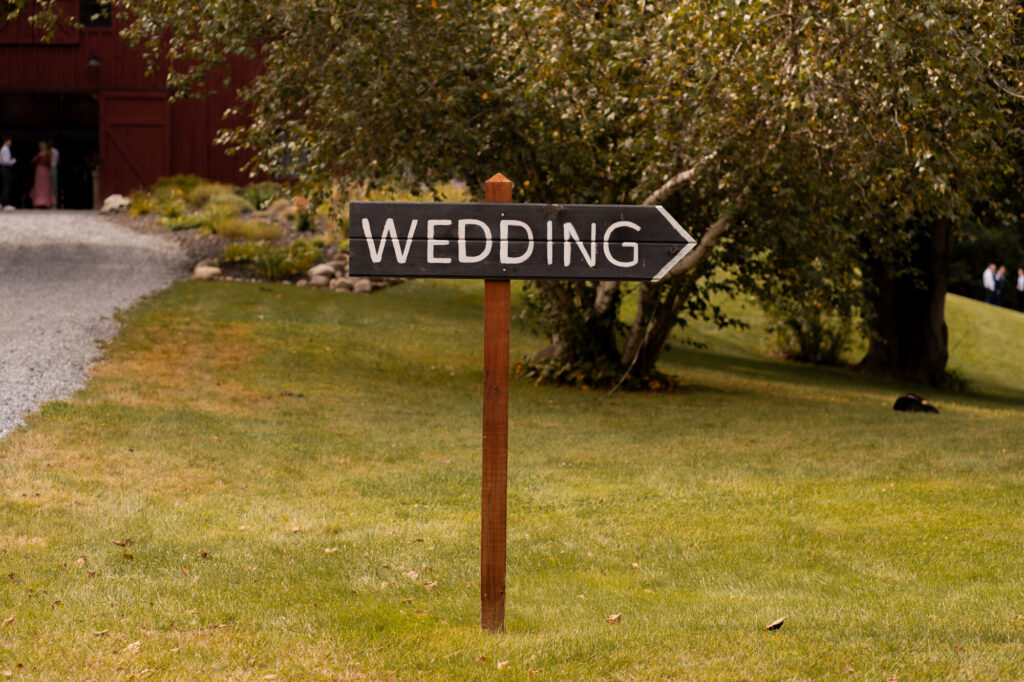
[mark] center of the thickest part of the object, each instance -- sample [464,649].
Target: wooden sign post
[498,241]
[493,503]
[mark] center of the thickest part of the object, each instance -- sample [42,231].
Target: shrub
[189,221]
[175,185]
[262,194]
[304,220]
[200,194]
[171,206]
[807,331]
[275,262]
[228,203]
[230,227]
[141,204]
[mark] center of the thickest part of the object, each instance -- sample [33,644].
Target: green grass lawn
[264,482]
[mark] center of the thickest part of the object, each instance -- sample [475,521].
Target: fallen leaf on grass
[7,673]
[431,586]
[481,658]
[411,575]
[8,621]
[204,555]
[634,565]
[776,625]
[502,665]
[80,561]
[129,556]
[91,574]
[614,618]
[330,550]
[134,646]
[184,569]
[122,543]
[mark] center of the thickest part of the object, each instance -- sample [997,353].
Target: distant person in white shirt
[988,280]
[1020,289]
[6,173]
[54,160]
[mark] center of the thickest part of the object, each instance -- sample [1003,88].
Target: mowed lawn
[264,482]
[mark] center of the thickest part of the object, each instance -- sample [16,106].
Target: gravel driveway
[63,275]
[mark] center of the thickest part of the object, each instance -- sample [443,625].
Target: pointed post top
[498,190]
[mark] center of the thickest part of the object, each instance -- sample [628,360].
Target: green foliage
[201,193]
[276,262]
[304,220]
[142,203]
[171,206]
[175,185]
[228,203]
[230,227]
[810,331]
[189,221]
[848,126]
[261,194]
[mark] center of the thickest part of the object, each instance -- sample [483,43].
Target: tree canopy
[812,147]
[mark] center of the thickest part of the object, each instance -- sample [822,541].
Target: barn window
[94,13]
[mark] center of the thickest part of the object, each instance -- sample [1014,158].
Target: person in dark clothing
[6,172]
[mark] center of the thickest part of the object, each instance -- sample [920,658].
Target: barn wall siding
[135,142]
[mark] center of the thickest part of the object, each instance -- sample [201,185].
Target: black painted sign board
[513,241]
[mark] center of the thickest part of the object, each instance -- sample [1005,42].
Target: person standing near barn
[42,190]
[1020,289]
[1000,283]
[988,280]
[6,173]
[54,160]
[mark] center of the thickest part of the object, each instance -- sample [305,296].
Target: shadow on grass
[842,377]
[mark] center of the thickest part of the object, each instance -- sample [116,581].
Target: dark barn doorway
[71,121]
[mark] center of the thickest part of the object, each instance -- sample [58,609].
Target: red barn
[88,92]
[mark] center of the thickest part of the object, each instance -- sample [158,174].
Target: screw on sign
[498,241]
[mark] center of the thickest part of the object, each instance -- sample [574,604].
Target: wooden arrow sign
[514,241]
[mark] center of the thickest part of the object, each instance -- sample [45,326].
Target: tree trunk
[909,337]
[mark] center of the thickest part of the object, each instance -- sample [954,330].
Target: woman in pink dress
[42,188]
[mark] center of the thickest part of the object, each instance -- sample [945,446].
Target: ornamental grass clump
[231,227]
[228,203]
[275,262]
[262,194]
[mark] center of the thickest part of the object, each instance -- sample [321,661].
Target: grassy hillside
[263,482]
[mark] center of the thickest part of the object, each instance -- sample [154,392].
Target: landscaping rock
[341,284]
[323,270]
[203,271]
[362,286]
[114,203]
[320,281]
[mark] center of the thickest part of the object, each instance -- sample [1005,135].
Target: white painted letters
[504,256]
[464,256]
[627,245]
[433,242]
[569,232]
[377,251]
